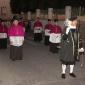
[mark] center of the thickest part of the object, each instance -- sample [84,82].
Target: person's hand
[64,36]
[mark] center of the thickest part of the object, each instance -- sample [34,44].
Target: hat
[49,19]
[1,20]
[73,18]
[15,18]
[20,17]
[55,20]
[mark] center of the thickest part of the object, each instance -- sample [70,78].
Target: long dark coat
[69,48]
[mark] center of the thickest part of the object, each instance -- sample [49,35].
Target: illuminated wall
[5,11]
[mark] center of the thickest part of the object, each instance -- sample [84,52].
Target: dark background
[30,5]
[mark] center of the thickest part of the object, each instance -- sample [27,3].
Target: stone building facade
[5,10]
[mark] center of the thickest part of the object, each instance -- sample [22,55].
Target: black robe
[69,48]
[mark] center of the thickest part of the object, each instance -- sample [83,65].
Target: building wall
[5,10]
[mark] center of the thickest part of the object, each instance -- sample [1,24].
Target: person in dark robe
[69,47]
[3,35]
[28,27]
[38,28]
[55,37]
[16,38]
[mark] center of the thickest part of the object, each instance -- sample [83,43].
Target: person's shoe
[63,76]
[72,75]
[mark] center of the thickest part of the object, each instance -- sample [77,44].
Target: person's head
[20,18]
[55,21]
[38,18]
[15,20]
[1,20]
[73,21]
[49,20]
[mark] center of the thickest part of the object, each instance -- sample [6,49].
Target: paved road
[38,67]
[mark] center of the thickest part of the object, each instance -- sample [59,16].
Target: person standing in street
[38,29]
[69,48]
[55,37]
[16,38]
[47,31]
[3,35]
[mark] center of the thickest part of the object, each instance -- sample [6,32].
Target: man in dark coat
[69,47]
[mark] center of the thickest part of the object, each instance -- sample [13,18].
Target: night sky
[26,5]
